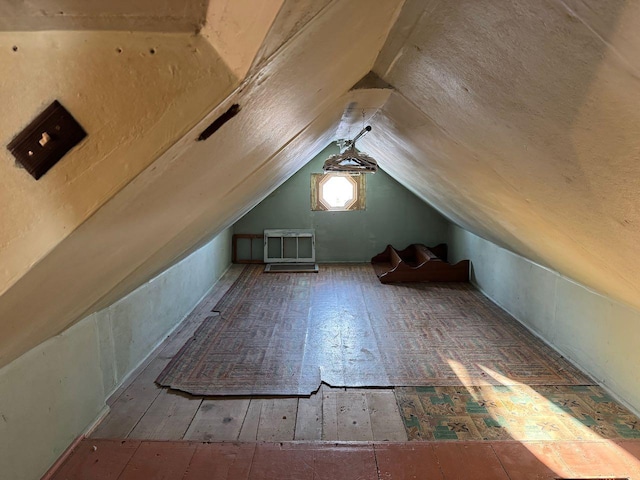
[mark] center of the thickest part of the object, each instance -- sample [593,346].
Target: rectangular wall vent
[290,246]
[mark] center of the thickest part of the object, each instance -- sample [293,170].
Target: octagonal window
[337,192]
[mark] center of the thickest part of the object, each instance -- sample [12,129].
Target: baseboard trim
[62,458]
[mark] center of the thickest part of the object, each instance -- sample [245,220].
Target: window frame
[319,179]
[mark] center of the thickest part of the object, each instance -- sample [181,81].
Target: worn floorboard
[353,415]
[309,418]
[386,423]
[329,413]
[249,430]
[168,417]
[130,406]
[277,420]
[218,420]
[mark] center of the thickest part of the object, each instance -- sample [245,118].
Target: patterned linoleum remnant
[285,333]
[515,412]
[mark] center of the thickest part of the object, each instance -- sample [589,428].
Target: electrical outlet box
[46,140]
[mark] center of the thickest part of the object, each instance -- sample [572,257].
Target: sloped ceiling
[518,120]
[289,109]
[147,15]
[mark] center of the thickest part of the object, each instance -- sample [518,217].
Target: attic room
[507,130]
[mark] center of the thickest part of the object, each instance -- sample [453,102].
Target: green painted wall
[393,215]
[54,392]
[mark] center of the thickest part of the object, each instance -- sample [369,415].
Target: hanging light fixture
[350,160]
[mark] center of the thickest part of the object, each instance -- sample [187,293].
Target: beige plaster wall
[291,18]
[133,104]
[150,15]
[237,28]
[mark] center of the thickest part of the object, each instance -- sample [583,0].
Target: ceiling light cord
[350,160]
[362,132]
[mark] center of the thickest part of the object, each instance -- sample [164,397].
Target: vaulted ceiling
[517,120]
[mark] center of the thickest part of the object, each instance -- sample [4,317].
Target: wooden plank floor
[143,460]
[142,410]
[330,414]
[282,437]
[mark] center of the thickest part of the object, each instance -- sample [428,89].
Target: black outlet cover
[46,140]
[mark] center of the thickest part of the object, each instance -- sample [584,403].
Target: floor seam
[129,461]
[186,471]
[375,458]
[195,413]
[499,460]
